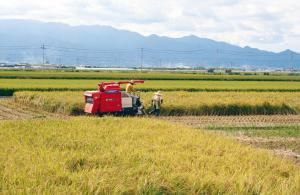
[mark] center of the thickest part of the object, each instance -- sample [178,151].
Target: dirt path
[10,110]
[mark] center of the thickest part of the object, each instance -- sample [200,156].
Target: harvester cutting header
[110,99]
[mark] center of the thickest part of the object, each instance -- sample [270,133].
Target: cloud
[269,24]
[267,38]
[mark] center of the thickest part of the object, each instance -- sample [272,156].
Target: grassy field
[133,156]
[8,86]
[150,75]
[179,103]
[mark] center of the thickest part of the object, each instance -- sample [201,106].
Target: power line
[142,58]
[292,56]
[145,56]
[91,50]
[147,50]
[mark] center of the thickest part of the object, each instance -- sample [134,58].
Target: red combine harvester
[110,99]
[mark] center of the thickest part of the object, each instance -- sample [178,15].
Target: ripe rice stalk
[179,103]
[109,155]
[9,86]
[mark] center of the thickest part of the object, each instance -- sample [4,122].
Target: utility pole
[43,48]
[142,58]
[292,57]
[77,61]
[218,57]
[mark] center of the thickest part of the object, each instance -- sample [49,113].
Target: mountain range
[29,41]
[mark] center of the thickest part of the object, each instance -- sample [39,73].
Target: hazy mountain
[20,41]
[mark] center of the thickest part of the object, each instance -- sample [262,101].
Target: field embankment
[133,155]
[179,103]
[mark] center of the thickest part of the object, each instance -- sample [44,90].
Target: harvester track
[9,110]
[256,120]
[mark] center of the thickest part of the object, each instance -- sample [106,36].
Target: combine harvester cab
[110,99]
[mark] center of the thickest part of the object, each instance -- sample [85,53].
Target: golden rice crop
[228,103]
[180,103]
[106,155]
[9,86]
[64,102]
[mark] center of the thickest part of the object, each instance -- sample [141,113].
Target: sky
[272,25]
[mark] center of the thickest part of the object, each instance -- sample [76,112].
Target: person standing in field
[129,87]
[157,101]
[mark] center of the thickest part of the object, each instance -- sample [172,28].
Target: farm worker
[129,87]
[157,100]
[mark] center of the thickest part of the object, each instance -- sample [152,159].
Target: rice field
[9,86]
[179,103]
[107,155]
[147,75]
[47,153]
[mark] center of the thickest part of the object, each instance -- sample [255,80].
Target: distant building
[211,70]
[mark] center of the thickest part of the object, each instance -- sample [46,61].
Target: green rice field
[147,75]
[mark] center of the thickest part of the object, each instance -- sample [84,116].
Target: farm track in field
[257,120]
[279,146]
[9,110]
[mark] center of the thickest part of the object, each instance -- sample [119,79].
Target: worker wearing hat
[157,100]
[129,87]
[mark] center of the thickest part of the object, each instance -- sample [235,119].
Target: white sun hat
[157,93]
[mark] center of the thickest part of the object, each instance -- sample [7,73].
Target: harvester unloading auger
[110,99]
